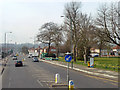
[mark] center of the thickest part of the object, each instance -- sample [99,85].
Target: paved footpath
[84,69]
[0,74]
[2,67]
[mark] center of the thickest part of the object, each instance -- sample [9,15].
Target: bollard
[57,78]
[22,59]
[71,85]
[88,64]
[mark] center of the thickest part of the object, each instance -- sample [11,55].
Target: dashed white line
[9,83]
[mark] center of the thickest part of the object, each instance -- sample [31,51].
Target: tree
[107,22]
[72,11]
[87,36]
[46,34]
[50,33]
[100,41]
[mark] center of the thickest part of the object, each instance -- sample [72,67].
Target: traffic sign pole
[68,72]
[68,58]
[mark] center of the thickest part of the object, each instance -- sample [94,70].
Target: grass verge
[106,63]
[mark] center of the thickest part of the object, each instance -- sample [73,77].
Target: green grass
[107,63]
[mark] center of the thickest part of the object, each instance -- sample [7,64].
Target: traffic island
[60,85]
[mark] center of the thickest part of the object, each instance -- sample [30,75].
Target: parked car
[18,63]
[35,59]
[94,54]
[14,57]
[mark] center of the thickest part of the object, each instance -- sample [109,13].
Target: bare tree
[46,34]
[72,11]
[58,37]
[86,35]
[51,33]
[107,22]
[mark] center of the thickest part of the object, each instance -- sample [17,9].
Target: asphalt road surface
[41,75]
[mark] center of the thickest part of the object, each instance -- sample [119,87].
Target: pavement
[3,63]
[88,70]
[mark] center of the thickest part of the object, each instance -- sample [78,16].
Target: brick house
[51,50]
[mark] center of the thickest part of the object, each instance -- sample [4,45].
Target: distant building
[51,50]
[43,50]
[116,50]
[95,50]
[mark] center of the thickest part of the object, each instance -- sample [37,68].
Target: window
[53,49]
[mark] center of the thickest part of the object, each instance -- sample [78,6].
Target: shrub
[80,58]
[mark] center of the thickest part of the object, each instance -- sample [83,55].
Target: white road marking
[40,83]
[47,81]
[9,83]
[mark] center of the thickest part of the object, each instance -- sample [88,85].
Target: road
[41,75]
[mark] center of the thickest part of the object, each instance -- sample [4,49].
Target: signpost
[68,58]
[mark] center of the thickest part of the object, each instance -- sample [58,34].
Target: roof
[116,47]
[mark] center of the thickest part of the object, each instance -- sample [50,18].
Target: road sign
[68,58]
[71,83]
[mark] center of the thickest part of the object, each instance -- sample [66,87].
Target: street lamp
[6,41]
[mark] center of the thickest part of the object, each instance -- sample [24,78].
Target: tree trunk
[74,53]
[100,52]
[85,55]
[48,48]
[57,51]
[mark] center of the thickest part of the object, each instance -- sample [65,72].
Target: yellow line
[114,84]
[101,78]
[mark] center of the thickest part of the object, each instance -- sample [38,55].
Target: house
[104,52]
[31,50]
[45,50]
[116,50]
[93,50]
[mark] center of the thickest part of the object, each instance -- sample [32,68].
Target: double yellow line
[104,79]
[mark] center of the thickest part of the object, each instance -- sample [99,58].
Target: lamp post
[6,41]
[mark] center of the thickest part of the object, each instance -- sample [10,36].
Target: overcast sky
[24,17]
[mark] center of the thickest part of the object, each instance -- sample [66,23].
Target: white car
[29,56]
[14,57]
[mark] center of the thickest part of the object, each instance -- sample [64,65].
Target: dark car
[35,59]
[14,57]
[18,63]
